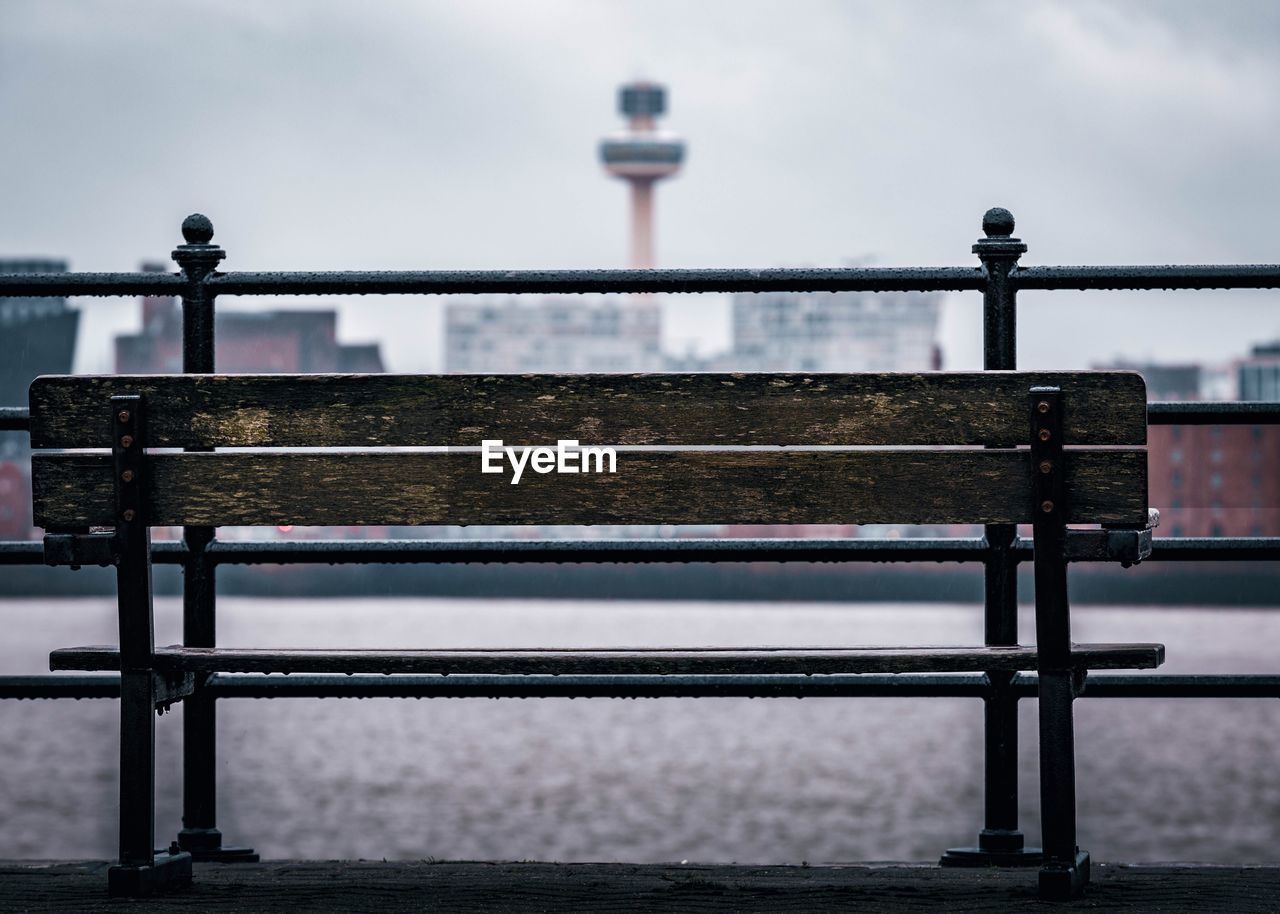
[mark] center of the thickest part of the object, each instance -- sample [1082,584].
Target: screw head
[1042,407]
[1045,434]
[1046,466]
[127,476]
[1046,506]
[197,229]
[123,415]
[997,222]
[126,441]
[129,514]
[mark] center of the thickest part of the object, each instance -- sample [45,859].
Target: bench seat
[584,661]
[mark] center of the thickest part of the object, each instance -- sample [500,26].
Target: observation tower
[642,155]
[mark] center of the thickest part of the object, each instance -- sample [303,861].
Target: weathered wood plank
[979,408]
[581,661]
[963,485]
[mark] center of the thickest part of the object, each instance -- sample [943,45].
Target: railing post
[1001,842]
[198,258]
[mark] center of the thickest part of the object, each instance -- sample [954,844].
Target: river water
[714,780]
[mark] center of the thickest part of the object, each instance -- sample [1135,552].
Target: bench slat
[977,408]
[614,660]
[890,485]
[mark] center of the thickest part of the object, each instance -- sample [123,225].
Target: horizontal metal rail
[641,551]
[1234,276]
[14,419]
[1214,549]
[36,285]
[510,282]
[479,282]
[47,685]
[1214,412]
[919,549]
[867,685]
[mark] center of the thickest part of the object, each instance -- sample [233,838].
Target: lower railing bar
[1214,412]
[14,419]
[916,685]
[1215,549]
[1174,685]
[21,552]
[31,552]
[80,685]
[879,549]
[320,685]
[917,549]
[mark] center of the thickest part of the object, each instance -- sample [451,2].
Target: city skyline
[435,135]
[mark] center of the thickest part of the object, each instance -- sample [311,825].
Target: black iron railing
[1000,550]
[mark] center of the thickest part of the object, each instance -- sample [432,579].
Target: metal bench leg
[1066,870]
[140,870]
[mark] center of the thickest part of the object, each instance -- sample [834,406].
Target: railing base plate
[1064,883]
[168,873]
[979,857]
[226,855]
[205,846]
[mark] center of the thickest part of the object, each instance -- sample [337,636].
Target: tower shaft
[642,223]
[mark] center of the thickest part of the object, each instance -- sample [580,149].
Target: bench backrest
[839,448]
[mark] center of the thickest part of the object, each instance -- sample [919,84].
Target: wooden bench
[1049,449]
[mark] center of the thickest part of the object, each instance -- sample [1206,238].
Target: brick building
[245,341]
[1212,480]
[37,336]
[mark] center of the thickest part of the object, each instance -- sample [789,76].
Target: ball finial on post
[997,222]
[197,229]
[199,256]
[998,241]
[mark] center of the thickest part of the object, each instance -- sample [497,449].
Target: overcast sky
[444,135]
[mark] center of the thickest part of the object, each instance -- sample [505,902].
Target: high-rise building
[37,335]
[569,335]
[841,331]
[1259,375]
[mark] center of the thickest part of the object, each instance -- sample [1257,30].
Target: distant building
[841,331]
[255,342]
[1211,480]
[1259,375]
[37,336]
[245,341]
[565,335]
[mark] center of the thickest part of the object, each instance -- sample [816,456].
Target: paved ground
[547,887]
